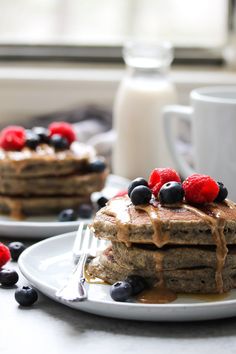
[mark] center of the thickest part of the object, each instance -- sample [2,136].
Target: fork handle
[82,293]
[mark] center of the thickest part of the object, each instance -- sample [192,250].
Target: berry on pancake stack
[179,237]
[43,171]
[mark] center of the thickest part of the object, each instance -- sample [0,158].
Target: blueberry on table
[121,291]
[135,183]
[59,142]
[8,277]
[97,166]
[42,133]
[141,195]
[223,193]
[16,248]
[32,140]
[171,192]
[137,283]
[67,215]
[26,296]
[101,202]
[85,211]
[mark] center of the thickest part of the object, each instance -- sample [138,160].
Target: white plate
[48,263]
[42,227]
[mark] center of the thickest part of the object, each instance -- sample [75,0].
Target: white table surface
[49,327]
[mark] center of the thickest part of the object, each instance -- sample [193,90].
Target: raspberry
[160,176]
[12,137]
[64,129]
[200,189]
[5,254]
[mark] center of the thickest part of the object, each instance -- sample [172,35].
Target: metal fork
[85,245]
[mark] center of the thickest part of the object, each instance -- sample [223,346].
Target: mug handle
[184,113]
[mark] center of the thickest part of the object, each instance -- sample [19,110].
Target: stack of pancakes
[45,180]
[184,248]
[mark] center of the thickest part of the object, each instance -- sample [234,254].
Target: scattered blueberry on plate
[121,291]
[26,296]
[137,283]
[67,215]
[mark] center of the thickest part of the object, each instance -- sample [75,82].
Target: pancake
[187,280]
[185,248]
[121,221]
[46,180]
[75,184]
[45,161]
[18,207]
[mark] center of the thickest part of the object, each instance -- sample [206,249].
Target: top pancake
[45,161]
[180,224]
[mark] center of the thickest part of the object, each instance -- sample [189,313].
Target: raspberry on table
[5,254]
[200,189]
[12,137]
[63,129]
[160,176]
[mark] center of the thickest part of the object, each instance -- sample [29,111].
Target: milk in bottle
[140,145]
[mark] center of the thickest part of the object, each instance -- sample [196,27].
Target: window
[108,23]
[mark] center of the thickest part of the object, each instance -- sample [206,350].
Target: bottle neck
[152,72]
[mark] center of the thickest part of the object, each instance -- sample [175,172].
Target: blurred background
[62,59]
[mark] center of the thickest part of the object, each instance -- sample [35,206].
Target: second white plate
[46,226]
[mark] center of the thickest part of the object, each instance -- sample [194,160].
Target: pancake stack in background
[182,239]
[43,171]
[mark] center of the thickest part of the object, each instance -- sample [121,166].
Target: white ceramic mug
[212,115]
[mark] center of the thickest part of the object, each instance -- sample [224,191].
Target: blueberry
[16,248]
[140,195]
[26,296]
[136,182]
[101,202]
[137,283]
[59,142]
[42,133]
[121,291]
[8,277]
[223,193]
[32,139]
[85,211]
[171,192]
[97,166]
[67,215]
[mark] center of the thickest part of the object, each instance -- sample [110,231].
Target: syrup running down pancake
[184,248]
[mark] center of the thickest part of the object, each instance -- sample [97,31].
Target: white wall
[28,90]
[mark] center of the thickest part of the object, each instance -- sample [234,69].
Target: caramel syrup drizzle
[122,216]
[216,222]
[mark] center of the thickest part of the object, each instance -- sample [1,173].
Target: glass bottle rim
[148,54]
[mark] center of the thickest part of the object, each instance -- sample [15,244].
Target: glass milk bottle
[144,91]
